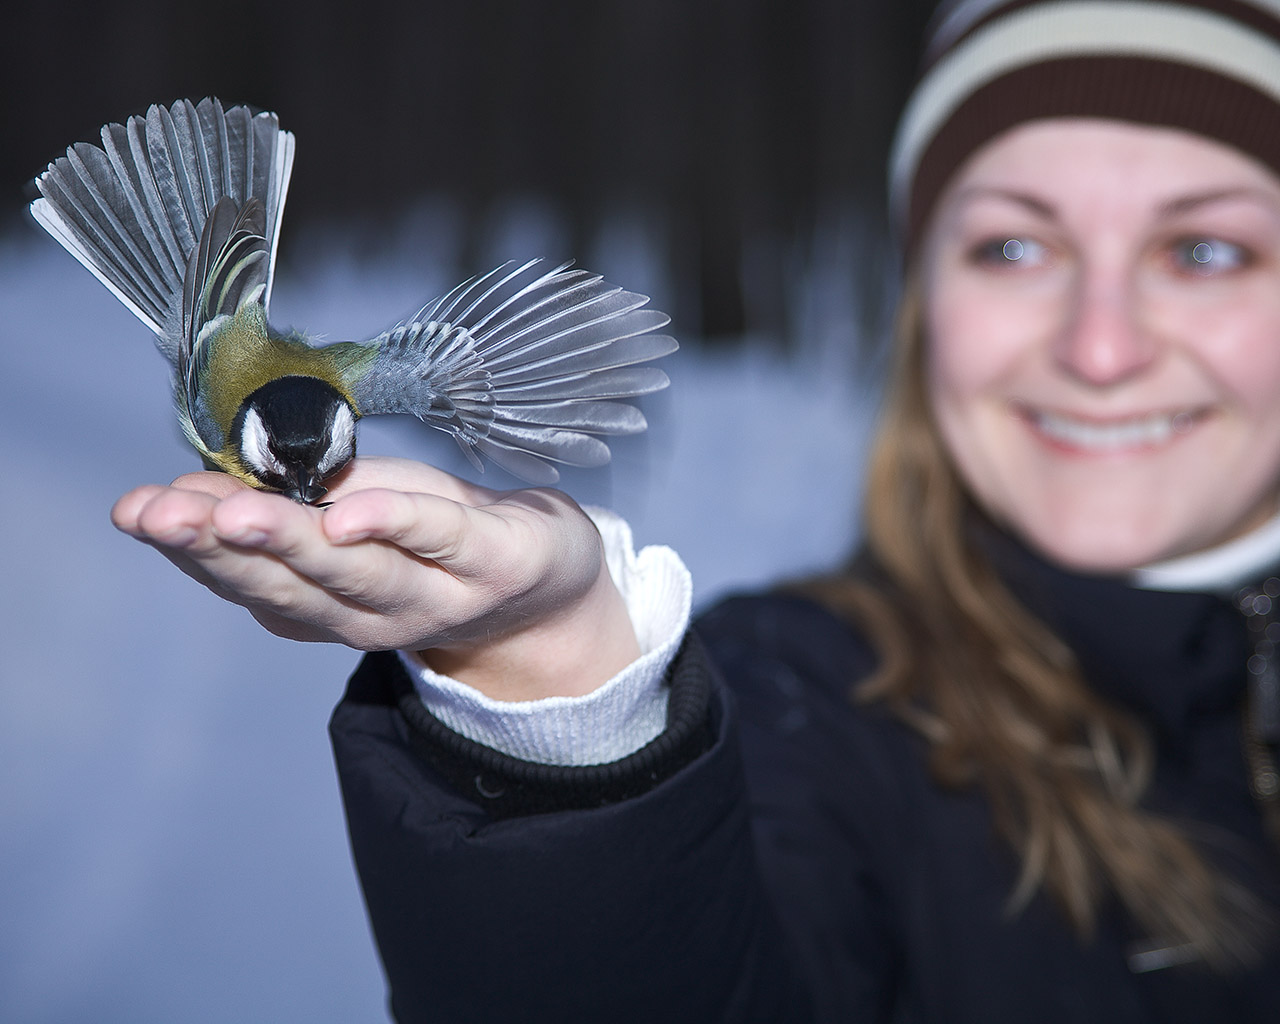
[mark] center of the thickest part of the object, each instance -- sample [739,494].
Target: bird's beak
[308,490]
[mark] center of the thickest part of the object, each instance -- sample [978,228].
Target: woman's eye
[1010,253]
[1207,256]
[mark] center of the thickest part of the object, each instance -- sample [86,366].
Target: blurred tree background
[742,124]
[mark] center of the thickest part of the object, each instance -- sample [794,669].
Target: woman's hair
[1002,703]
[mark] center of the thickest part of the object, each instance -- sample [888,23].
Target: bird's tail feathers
[133,209]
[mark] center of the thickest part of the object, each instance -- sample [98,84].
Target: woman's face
[1102,309]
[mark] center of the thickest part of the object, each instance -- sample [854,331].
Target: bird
[178,213]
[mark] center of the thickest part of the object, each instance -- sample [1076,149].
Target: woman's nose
[1103,342]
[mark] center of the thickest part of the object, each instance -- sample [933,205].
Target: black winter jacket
[781,853]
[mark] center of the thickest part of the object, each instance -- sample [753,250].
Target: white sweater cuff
[612,721]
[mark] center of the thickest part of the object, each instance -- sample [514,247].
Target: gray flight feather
[133,211]
[521,365]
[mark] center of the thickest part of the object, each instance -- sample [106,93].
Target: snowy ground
[173,846]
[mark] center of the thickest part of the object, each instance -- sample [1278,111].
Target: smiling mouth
[1112,435]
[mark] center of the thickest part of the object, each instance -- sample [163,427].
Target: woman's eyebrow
[1192,202]
[1033,204]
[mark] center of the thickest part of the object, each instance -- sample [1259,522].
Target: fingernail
[248,536]
[180,537]
[338,535]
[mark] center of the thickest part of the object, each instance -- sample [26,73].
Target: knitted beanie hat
[1206,66]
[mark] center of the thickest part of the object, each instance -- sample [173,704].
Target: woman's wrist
[571,653]
[621,714]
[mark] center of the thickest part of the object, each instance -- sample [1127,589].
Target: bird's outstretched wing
[523,365]
[134,209]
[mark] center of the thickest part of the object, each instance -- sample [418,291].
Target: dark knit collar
[1172,658]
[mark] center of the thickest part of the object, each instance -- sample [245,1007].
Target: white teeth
[1146,431]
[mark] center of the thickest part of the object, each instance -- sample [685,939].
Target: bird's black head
[293,433]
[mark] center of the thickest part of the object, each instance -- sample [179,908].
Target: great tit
[178,212]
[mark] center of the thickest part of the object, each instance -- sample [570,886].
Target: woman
[1000,768]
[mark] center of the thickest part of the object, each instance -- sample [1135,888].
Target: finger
[376,472]
[180,524]
[217,485]
[427,525]
[250,518]
[174,518]
[264,544]
[374,574]
[127,509]
[170,522]
[262,582]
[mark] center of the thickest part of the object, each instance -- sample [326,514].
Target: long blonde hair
[1002,702]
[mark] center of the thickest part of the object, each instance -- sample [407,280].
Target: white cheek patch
[255,449]
[342,440]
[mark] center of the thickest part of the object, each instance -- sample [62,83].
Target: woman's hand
[504,590]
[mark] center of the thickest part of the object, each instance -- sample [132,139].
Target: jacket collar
[1223,569]
[1174,658]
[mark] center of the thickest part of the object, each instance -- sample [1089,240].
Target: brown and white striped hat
[1210,67]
